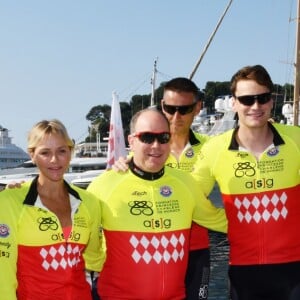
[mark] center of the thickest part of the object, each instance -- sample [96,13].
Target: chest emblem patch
[273,151]
[189,153]
[165,191]
[4,230]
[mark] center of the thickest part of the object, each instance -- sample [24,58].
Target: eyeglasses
[249,100]
[149,137]
[182,109]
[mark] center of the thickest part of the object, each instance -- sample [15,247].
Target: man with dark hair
[180,104]
[257,168]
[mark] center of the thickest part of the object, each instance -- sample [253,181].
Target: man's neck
[146,175]
[178,143]
[255,140]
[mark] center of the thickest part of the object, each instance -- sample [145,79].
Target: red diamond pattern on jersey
[264,209]
[62,256]
[158,248]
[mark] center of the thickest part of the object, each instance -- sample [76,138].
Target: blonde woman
[49,230]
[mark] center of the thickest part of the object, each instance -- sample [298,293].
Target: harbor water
[219,250]
[218,286]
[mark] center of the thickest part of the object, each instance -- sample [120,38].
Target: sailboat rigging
[153,81]
[297,69]
[291,111]
[209,41]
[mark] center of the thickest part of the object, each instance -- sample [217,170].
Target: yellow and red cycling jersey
[146,223]
[36,260]
[261,197]
[186,162]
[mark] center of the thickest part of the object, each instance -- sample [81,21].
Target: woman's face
[52,156]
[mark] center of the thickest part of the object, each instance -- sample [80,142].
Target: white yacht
[213,124]
[10,155]
[81,171]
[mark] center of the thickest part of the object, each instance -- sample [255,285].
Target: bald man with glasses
[180,104]
[147,217]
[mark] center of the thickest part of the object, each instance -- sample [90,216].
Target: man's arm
[209,216]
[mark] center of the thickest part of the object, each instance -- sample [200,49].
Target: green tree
[212,91]
[99,115]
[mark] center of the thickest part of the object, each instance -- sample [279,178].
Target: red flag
[116,142]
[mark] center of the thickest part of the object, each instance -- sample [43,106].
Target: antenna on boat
[297,69]
[153,80]
[209,41]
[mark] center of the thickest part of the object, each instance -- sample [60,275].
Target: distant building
[10,155]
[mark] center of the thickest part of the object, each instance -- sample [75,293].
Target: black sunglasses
[249,100]
[149,137]
[182,109]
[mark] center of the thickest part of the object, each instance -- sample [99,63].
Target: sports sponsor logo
[140,208]
[270,165]
[260,183]
[49,223]
[4,230]
[57,237]
[242,169]
[74,236]
[137,193]
[158,223]
[242,154]
[165,191]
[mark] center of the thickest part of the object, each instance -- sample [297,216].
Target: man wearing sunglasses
[147,216]
[180,104]
[257,167]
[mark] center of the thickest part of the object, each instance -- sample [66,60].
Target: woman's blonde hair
[47,127]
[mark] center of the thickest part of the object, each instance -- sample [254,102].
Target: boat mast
[297,69]
[153,80]
[209,41]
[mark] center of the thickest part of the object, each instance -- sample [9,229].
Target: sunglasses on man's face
[182,109]
[249,100]
[149,137]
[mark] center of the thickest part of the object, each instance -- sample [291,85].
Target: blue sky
[60,58]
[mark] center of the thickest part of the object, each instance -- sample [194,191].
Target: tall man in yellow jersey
[257,167]
[147,216]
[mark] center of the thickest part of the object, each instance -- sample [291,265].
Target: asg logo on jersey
[165,191]
[189,153]
[4,230]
